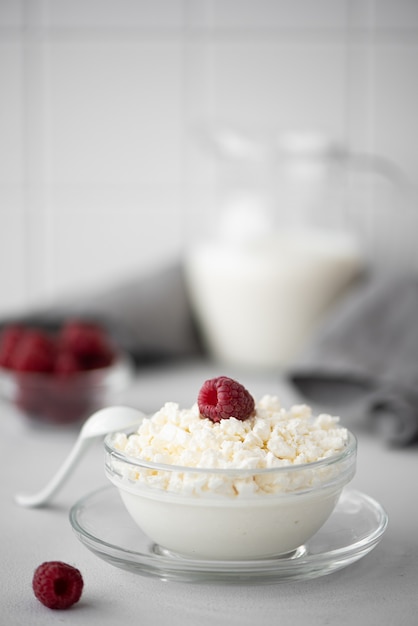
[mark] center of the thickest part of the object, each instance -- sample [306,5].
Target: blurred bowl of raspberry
[61,375]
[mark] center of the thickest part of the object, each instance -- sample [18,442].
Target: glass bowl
[53,399]
[229,514]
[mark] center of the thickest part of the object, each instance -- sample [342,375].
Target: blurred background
[115,117]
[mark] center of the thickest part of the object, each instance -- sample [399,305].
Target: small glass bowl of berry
[61,376]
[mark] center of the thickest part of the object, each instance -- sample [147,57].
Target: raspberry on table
[222,397]
[57,585]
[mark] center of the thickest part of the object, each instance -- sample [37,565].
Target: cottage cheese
[273,438]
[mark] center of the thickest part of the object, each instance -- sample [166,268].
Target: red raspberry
[66,363]
[89,344]
[222,397]
[57,585]
[35,352]
[9,339]
[82,337]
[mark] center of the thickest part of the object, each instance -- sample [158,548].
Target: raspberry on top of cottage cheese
[272,438]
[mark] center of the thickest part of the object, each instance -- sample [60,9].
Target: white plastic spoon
[110,419]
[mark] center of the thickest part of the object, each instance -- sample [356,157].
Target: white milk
[259,301]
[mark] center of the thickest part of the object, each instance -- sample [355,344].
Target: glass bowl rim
[347,453]
[122,361]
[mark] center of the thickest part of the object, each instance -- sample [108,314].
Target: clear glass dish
[355,527]
[230,513]
[57,400]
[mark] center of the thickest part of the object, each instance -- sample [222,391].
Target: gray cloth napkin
[363,363]
[148,316]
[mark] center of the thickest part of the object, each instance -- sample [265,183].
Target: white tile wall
[103,102]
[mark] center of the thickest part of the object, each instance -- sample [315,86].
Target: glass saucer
[103,525]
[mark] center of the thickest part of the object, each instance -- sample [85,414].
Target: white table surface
[380,589]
